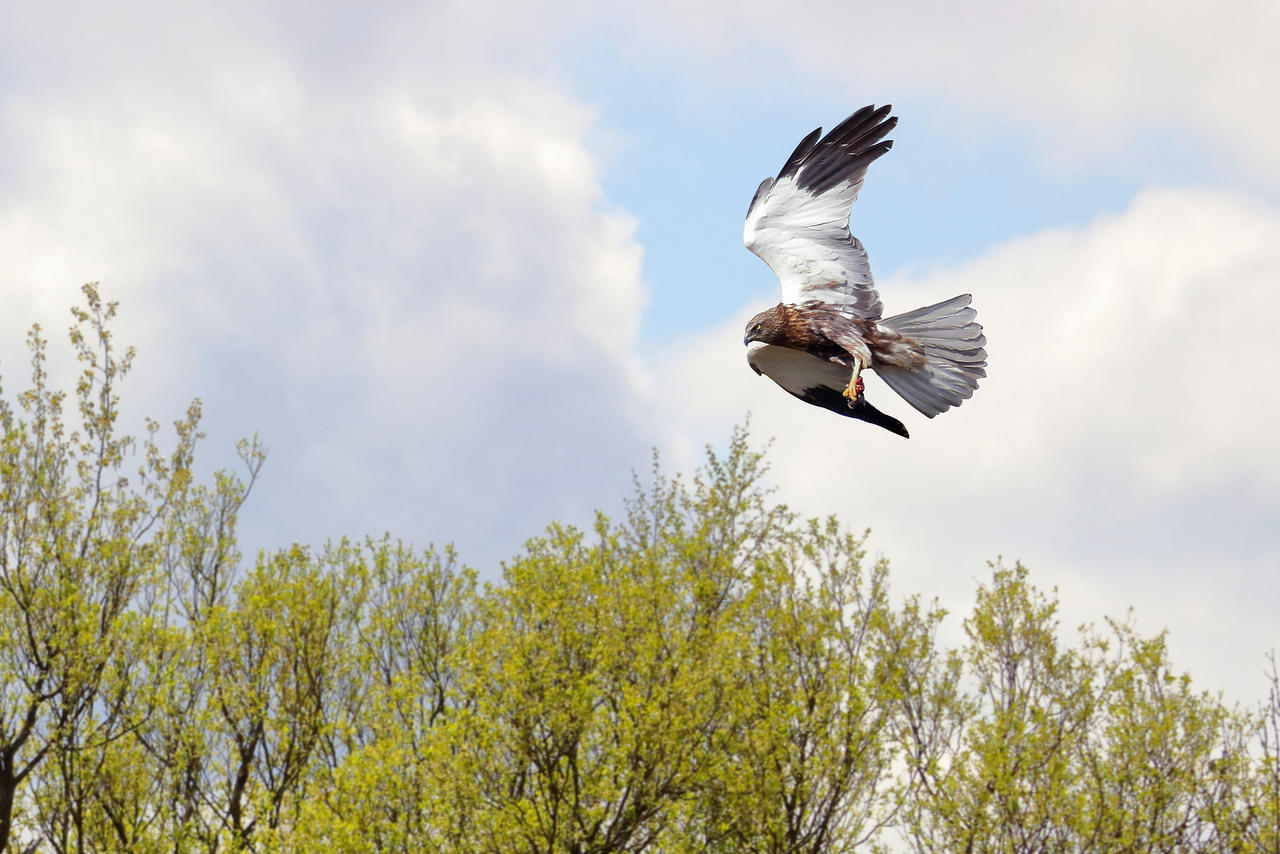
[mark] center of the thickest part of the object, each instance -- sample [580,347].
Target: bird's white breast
[795,370]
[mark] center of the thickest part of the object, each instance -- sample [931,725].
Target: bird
[829,327]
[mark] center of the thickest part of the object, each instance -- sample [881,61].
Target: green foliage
[706,673]
[1097,747]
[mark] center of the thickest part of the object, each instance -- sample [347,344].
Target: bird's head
[765,326]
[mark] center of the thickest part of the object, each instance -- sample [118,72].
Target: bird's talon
[854,389]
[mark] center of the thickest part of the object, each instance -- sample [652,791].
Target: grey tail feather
[954,351]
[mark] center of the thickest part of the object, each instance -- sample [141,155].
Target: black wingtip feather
[802,151]
[760,191]
[864,411]
[853,129]
[861,409]
[844,154]
[855,119]
[837,166]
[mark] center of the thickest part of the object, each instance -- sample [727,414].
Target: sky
[463,266]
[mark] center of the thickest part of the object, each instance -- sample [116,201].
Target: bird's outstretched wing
[818,381]
[798,222]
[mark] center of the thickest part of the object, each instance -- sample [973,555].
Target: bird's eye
[757,328]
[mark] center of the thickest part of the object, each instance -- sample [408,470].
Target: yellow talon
[854,390]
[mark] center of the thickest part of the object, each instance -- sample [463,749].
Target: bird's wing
[818,381]
[798,222]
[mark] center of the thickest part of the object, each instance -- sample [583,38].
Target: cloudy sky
[463,264]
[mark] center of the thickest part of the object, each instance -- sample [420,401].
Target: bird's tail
[955,355]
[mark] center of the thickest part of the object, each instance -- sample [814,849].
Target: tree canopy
[708,672]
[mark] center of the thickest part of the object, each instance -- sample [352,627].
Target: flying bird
[828,327]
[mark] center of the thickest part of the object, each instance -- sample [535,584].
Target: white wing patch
[796,371]
[806,240]
[798,223]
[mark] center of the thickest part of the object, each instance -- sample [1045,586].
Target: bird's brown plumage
[829,326]
[829,333]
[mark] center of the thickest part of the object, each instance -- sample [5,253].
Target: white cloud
[381,240]
[407,278]
[1124,444]
[1089,79]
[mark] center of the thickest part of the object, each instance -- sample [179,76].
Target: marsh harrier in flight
[828,327]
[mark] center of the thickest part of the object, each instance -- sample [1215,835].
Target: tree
[80,547]
[1096,747]
[706,673]
[709,673]
[1257,814]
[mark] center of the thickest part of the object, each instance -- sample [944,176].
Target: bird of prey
[828,327]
